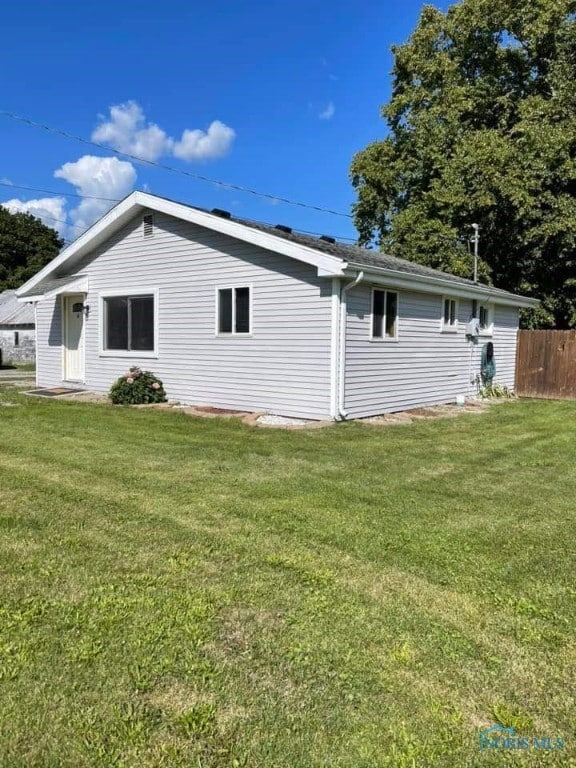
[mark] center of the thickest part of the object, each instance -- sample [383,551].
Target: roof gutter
[431,284]
[341,413]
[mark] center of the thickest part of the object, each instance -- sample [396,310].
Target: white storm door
[73,338]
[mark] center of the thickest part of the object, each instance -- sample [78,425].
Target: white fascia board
[330,265]
[31,299]
[76,286]
[438,285]
[93,236]
[124,210]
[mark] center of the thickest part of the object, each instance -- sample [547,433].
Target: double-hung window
[234,311]
[129,323]
[384,315]
[450,315]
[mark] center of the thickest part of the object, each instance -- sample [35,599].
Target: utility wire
[172,169]
[117,200]
[60,194]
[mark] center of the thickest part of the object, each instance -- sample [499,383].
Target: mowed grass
[196,593]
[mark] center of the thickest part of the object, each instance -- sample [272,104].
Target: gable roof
[330,258]
[13,312]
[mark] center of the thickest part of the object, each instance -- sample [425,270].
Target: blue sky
[276,96]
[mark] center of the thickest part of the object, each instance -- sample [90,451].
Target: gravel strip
[280,421]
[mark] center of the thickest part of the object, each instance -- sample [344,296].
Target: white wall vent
[148,225]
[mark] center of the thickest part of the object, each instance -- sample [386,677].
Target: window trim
[489,330]
[233,333]
[131,353]
[384,338]
[449,328]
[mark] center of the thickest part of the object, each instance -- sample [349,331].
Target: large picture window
[234,310]
[129,323]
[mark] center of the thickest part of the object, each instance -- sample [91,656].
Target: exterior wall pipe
[342,413]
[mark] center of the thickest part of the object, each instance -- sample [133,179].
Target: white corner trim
[334,348]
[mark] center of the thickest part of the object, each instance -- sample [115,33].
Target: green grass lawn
[196,593]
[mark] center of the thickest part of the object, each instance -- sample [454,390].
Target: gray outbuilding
[17,330]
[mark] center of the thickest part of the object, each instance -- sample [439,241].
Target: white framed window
[234,311]
[129,323]
[486,319]
[449,315]
[384,325]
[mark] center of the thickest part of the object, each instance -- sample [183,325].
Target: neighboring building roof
[13,312]
[329,257]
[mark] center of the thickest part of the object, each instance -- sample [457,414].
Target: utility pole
[476,240]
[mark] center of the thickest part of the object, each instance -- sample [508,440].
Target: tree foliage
[482,128]
[26,245]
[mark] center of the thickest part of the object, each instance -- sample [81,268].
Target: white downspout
[342,413]
[37,367]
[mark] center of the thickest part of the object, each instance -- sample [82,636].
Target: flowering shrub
[137,387]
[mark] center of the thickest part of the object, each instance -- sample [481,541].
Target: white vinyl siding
[282,366]
[424,367]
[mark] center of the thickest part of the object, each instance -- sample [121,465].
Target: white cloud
[50,210]
[205,145]
[128,131]
[93,176]
[328,112]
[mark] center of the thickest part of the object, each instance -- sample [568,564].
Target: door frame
[66,299]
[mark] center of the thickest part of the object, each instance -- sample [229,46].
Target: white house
[241,315]
[17,331]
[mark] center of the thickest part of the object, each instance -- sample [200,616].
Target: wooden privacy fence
[546,364]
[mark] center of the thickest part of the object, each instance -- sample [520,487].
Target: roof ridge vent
[327,238]
[220,212]
[284,228]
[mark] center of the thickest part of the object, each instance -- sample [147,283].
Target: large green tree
[26,245]
[482,129]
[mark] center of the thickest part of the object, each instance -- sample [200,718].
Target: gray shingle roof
[50,285]
[13,312]
[356,255]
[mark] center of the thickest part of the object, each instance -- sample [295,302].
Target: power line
[170,168]
[117,200]
[61,194]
